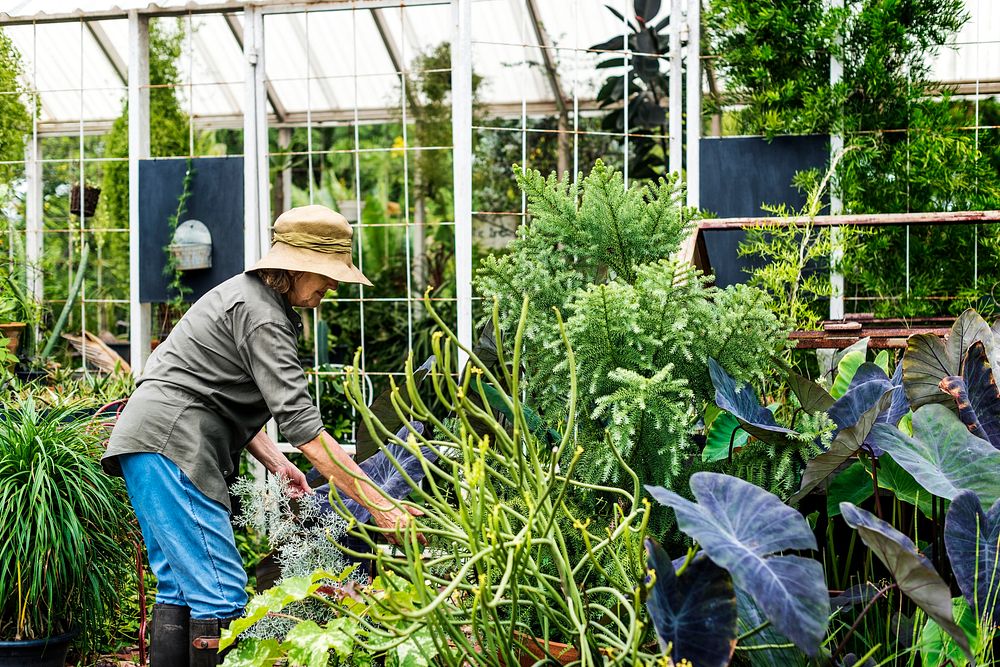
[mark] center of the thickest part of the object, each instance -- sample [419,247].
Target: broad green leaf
[972,538]
[812,397]
[942,455]
[744,529]
[925,364]
[882,361]
[309,645]
[252,652]
[417,651]
[717,437]
[272,600]
[694,614]
[914,574]
[893,478]
[853,485]
[846,369]
[938,648]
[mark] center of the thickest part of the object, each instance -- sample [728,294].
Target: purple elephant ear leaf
[846,442]
[746,530]
[972,539]
[694,613]
[976,395]
[385,475]
[742,403]
[914,574]
[900,405]
[896,411]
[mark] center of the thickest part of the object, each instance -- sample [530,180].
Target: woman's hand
[398,520]
[298,486]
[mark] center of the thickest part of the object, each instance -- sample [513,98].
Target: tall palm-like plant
[67,535]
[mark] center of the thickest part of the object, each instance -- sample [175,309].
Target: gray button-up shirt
[229,365]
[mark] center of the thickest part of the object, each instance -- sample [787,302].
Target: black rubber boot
[168,646]
[204,641]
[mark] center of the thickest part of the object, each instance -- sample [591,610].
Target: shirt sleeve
[269,352]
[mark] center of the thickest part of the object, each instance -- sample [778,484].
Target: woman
[229,366]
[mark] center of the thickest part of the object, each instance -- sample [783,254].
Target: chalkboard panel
[738,175]
[216,199]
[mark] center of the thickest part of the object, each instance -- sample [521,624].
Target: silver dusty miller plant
[304,539]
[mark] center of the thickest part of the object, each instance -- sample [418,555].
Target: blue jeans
[189,539]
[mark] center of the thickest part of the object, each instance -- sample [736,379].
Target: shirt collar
[295,318]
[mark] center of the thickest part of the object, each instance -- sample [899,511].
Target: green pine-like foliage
[641,323]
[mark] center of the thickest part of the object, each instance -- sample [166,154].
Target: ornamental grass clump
[508,556]
[69,542]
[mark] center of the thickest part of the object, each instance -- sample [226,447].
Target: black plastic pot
[48,652]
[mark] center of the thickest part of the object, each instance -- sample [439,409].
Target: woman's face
[308,289]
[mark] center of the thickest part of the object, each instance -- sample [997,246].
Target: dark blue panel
[739,175]
[216,199]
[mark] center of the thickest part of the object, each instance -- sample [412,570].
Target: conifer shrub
[642,323]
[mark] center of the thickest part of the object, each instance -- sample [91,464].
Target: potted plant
[91,195]
[68,542]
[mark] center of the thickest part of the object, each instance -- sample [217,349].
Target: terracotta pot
[533,650]
[12,332]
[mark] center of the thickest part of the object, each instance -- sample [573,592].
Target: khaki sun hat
[316,239]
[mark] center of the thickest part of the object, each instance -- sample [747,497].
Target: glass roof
[335,58]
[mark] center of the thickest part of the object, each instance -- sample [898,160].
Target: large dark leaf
[844,445]
[694,613]
[968,329]
[972,538]
[646,11]
[976,396]
[384,412]
[752,619]
[742,403]
[925,364]
[896,411]
[385,475]
[914,574]
[860,397]
[743,528]
[942,455]
[812,397]
[616,43]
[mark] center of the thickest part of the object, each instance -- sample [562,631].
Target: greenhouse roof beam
[272,95]
[298,119]
[108,49]
[548,61]
[394,53]
[299,27]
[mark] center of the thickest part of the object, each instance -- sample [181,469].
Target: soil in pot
[48,652]
[533,650]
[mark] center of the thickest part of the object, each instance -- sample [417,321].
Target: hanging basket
[91,194]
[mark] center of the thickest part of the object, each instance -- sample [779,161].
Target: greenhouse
[500,332]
